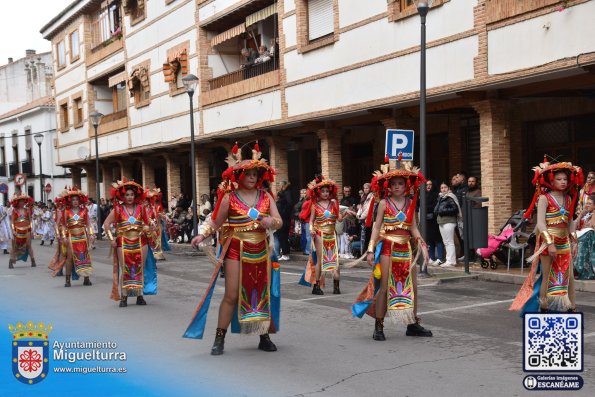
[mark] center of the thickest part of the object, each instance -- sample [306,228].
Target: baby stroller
[506,246]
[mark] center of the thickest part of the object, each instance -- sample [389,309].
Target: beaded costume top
[396,219]
[325,216]
[242,217]
[76,220]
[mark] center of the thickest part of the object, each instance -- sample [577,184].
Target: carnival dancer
[392,286]
[243,214]
[48,228]
[132,258]
[77,234]
[153,214]
[59,259]
[21,230]
[324,256]
[556,193]
[587,190]
[5,229]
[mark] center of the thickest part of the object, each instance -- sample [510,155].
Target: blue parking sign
[399,141]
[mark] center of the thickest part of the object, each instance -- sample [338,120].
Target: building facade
[29,115]
[337,74]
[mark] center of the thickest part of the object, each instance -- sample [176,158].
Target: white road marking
[452,309]
[326,296]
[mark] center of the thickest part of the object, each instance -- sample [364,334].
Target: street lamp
[190,81]
[423,6]
[95,120]
[39,139]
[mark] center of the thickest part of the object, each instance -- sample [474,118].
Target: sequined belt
[559,232]
[130,233]
[77,229]
[327,228]
[250,237]
[395,238]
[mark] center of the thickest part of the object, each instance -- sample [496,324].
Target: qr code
[553,342]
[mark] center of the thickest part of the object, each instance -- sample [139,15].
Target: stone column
[91,181]
[108,177]
[173,176]
[126,169]
[278,160]
[494,118]
[202,172]
[148,172]
[330,154]
[76,176]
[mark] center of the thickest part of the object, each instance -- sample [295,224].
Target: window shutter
[320,18]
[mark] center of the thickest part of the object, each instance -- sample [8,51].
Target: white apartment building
[28,115]
[344,71]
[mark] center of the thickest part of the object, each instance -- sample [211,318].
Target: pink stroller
[494,243]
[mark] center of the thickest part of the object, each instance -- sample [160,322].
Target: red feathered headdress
[14,201]
[544,176]
[318,183]
[68,194]
[235,172]
[118,190]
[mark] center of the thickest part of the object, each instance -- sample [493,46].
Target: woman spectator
[448,212]
[433,237]
[362,214]
[584,263]
[285,209]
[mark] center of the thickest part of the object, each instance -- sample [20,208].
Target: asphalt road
[322,350]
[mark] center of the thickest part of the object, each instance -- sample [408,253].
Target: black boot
[316,290]
[336,289]
[266,344]
[42,242]
[10,264]
[33,264]
[124,301]
[416,329]
[67,283]
[379,330]
[87,281]
[140,300]
[5,252]
[217,348]
[222,272]
[51,242]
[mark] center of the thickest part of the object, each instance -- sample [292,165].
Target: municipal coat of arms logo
[30,351]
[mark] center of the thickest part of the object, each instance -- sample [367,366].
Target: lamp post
[190,81]
[95,120]
[39,139]
[423,6]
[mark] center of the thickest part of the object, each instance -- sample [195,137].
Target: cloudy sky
[20,23]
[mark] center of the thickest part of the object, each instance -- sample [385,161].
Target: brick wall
[148,172]
[494,118]
[278,160]
[331,155]
[172,166]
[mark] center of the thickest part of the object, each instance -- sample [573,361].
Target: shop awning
[262,14]
[228,34]
[117,79]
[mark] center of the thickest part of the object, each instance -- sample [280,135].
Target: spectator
[297,208]
[263,55]
[285,210]
[305,219]
[584,263]
[348,200]
[180,224]
[274,47]
[362,215]
[433,237]
[447,212]
[249,56]
[204,209]
[473,190]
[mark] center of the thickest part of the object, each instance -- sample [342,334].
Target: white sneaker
[446,264]
[438,262]
[284,258]
[461,259]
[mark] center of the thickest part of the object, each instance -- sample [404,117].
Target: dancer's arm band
[109,234]
[547,237]
[207,230]
[371,246]
[276,223]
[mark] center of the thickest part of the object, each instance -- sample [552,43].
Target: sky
[20,23]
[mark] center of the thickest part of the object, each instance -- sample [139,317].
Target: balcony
[250,79]
[106,33]
[112,122]
[27,167]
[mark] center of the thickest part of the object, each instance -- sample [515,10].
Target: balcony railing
[249,71]
[13,168]
[113,116]
[27,167]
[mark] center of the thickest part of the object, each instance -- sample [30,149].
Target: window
[74,46]
[64,122]
[139,84]
[106,25]
[317,23]
[320,19]
[61,54]
[135,9]
[77,108]
[405,4]
[399,9]
[175,67]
